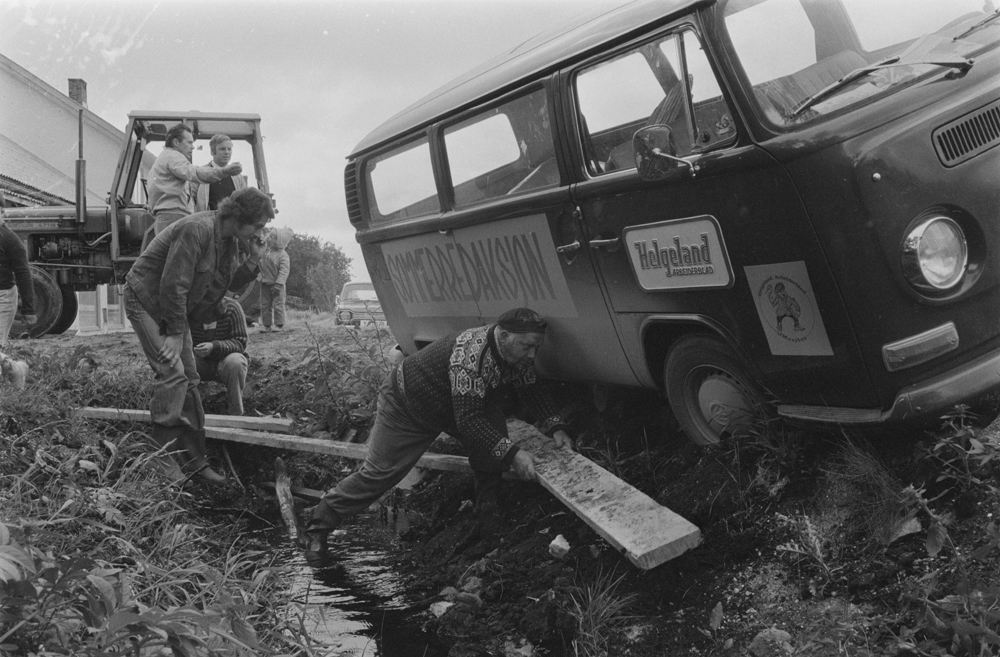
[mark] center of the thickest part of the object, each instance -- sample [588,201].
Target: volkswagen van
[794,202]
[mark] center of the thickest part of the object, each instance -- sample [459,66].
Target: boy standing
[274,269]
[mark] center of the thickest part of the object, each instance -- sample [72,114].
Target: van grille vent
[351,191]
[968,136]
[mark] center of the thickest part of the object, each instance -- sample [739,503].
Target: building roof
[19,166]
[533,59]
[54,95]
[23,174]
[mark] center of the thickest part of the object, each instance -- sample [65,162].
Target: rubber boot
[487,488]
[193,443]
[321,520]
[166,438]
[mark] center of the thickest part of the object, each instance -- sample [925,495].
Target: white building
[39,147]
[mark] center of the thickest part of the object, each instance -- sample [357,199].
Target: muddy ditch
[787,552]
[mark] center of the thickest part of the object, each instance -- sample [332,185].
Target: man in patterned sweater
[220,352]
[457,384]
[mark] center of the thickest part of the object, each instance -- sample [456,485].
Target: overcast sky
[321,74]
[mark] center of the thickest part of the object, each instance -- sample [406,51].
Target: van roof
[534,58]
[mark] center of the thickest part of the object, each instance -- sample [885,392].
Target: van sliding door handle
[610,244]
[569,248]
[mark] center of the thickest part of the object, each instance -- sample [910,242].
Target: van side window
[666,82]
[504,150]
[400,183]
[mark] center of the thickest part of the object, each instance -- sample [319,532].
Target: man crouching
[455,385]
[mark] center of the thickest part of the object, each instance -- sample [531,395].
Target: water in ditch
[355,602]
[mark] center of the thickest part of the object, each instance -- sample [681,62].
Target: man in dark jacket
[183,276]
[457,385]
[14,270]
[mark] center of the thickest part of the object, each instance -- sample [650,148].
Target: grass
[599,610]
[99,556]
[99,543]
[872,493]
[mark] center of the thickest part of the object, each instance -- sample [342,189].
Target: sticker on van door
[679,254]
[787,308]
[488,268]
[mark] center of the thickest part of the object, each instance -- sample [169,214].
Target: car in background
[358,304]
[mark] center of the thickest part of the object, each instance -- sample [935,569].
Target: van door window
[504,150]
[666,82]
[400,183]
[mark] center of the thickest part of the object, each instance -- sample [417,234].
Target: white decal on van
[488,268]
[678,254]
[786,305]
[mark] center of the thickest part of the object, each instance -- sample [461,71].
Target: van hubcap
[724,403]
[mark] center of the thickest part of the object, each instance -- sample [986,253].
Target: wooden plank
[283,489]
[645,531]
[445,462]
[272,424]
[309,493]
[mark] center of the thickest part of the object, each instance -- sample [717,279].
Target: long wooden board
[273,424]
[444,462]
[647,533]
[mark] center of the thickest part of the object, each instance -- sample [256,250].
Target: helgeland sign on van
[681,253]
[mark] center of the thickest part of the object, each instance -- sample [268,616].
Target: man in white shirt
[169,192]
[209,195]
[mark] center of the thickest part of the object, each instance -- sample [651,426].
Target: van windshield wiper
[979,24]
[960,63]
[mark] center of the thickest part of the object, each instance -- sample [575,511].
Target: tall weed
[346,381]
[877,507]
[98,556]
[598,610]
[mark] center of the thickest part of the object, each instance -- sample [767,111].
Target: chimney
[78,91]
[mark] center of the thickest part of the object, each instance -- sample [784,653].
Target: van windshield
[794,52]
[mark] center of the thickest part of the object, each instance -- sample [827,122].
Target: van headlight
[935,255]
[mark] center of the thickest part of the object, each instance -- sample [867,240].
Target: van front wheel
[709,390]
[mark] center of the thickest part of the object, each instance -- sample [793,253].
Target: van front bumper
[924,399]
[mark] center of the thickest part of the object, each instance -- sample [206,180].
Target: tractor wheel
[48,305]
[69,309]
[249,299]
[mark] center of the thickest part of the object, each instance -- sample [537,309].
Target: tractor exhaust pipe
[81,180]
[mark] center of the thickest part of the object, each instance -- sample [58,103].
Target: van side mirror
[655,153]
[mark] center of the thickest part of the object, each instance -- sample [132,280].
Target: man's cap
[522,320]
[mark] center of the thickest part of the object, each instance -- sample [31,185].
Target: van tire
[703,378]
